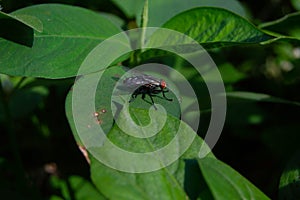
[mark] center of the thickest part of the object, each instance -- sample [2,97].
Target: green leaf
[113,18]
[296,4]
[105,96]
[170,182]
[167,183]
[214,27]
[225,183]
[75,186]
[259,97]
[287,25]
[23,101]
[83,189]
[228,72]
[162,11]
[69,34]
[290,179]
[131,8]
[157,8]
[18,29]
[286,39]
[30,21]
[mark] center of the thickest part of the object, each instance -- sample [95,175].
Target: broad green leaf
[162,11]
[69,34]
[19,29]
[225,183]
[214,27]
[259,97]
[167,183]
[171,182]
[104,99]
[290,179]
[287,25]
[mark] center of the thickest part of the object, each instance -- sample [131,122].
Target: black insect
[146,85]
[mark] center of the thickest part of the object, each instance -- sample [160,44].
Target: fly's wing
[136,78]
[136,81]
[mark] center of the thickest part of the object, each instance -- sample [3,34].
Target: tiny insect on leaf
[146,85]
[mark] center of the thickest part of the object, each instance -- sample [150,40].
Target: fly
[146,85]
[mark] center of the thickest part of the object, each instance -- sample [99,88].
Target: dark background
[258,138]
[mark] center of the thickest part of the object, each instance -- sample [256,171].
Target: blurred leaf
[228,72]
[162,11]
[83,189]
[54,197]
[280,39]
[23,101]
[69,34]
[225,183]
[75,187]
[211,27]
[131,8]
[296,4]
[290,179]
[259,97]
[287,25]
[251,114]
[114,19]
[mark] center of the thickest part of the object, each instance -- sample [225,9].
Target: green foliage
[69,34]
[289,181]
[259,65]
[225,183]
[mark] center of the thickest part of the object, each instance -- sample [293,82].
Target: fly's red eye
[163,84]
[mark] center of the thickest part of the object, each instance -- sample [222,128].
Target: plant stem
[135,59]
[144,23]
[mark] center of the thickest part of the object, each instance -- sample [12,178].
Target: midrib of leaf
[164,168]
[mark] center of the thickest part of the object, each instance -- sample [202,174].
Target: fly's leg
[152,101]
[163,92]
[143,96]
[133,96]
